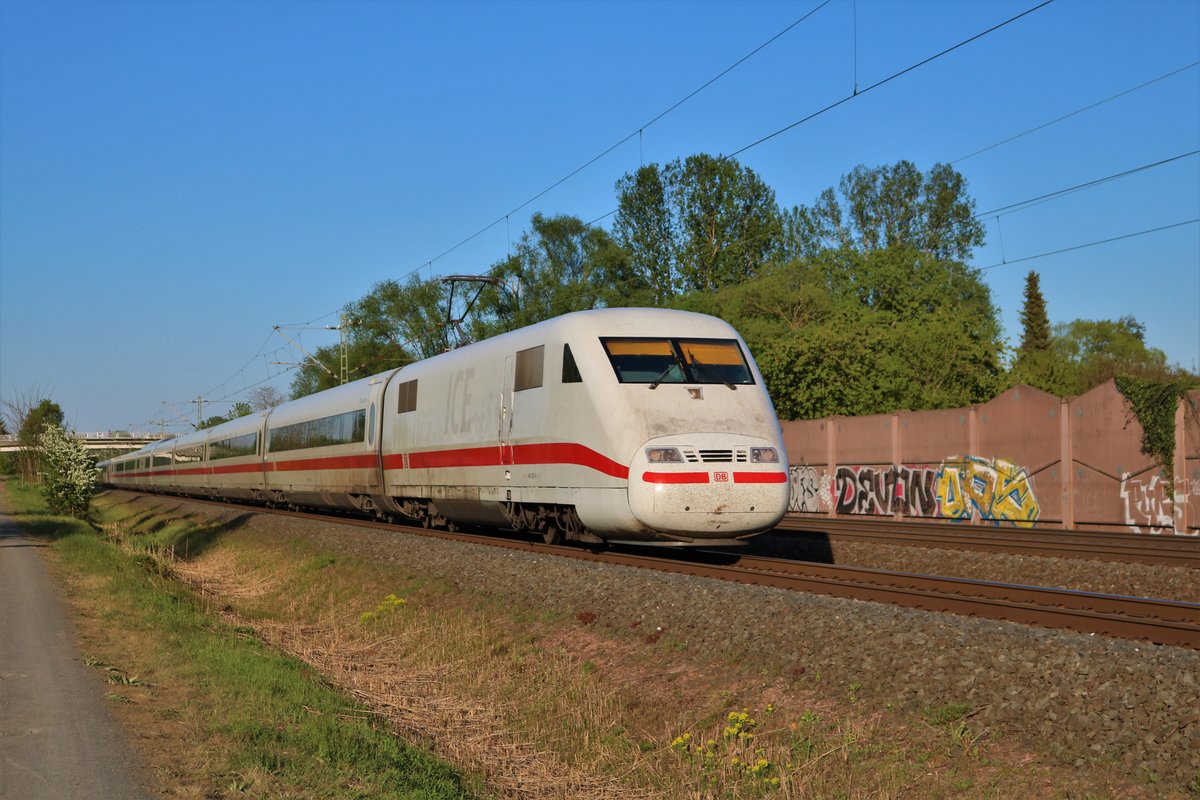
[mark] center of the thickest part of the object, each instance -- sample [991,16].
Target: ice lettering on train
[458,400]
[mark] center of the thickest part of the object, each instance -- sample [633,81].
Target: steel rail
[1165,622]
[1177,551]
[1159,621]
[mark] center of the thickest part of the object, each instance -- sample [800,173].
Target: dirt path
[57,737]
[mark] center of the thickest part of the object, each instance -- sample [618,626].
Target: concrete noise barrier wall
[1026,458]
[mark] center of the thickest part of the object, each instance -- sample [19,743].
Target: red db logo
[721,477]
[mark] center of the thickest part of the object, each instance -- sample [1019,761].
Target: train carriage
[120,470]
[579,426]
[323,450]
[233,458]
[158,456]
[624,425]
[189,470]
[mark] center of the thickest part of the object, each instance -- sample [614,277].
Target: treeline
[859,303]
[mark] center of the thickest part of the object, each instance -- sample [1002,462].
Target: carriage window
[715,361]
[408,397]
[323,432]
[570,371]
[529,368]
[246,445]
[656,361]
[189,455]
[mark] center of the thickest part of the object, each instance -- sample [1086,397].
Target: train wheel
[552,535]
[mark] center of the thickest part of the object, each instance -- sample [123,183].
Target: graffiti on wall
[806,490]
[992,489]
[959,488]
[1149,506]
[867,490]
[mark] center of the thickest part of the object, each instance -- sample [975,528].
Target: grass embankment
[534,705]
[215,712]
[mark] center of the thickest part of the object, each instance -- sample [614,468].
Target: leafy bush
[68,473]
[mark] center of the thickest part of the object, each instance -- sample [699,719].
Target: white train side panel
[637,425]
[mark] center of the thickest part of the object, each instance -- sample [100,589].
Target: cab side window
[408,397]
[530,364]
[570,370]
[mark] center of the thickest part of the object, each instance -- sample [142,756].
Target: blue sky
[176,178]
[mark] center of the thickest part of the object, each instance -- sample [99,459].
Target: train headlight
[764,455]
[664,455]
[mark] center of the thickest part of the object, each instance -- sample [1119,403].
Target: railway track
[1165,622]
[1176,551]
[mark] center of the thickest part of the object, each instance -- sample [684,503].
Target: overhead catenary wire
[1090,244]
[858,93]
[1024,204]
[1076,112]
[890,78]
[639,132]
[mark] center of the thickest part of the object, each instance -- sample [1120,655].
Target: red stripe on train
[760,477]
[516,455]
[495,456]
[675,477]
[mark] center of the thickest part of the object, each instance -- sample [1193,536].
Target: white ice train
[616,425]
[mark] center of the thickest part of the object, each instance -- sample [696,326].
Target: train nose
[709,485]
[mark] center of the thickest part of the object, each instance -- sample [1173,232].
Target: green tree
[699,223]
[392,325]
[1093,351]
[36,418]
[559,265]
[1035,323]
[643,226]
[863,333]
[68,471]
[239,409]
[880,207]
[1036,363]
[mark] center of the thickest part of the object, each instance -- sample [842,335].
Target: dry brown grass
[402,674]
[556,708]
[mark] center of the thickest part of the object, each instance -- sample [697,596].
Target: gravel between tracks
[1082,698]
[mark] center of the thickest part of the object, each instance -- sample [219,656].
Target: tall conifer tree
[1035,335]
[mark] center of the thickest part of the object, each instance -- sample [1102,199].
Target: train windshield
[655,361]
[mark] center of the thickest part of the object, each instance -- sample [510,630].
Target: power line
[890,78]
[1078,111]
[1079,187]
[613,147]
[1090,244]
[816,114]
[242,369]
[641,129]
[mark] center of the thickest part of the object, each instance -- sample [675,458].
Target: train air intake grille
[694,456]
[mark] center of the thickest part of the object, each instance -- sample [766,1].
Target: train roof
[235,427]
[336,400]
[585,324]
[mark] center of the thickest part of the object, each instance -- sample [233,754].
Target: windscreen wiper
[698,363]
[654,383]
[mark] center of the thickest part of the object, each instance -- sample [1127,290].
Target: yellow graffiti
[997,489]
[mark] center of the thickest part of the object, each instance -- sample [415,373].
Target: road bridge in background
[104,440]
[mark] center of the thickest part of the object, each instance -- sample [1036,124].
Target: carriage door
[506,413]
[374,426]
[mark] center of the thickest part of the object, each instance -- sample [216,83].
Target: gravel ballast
[1084,699]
